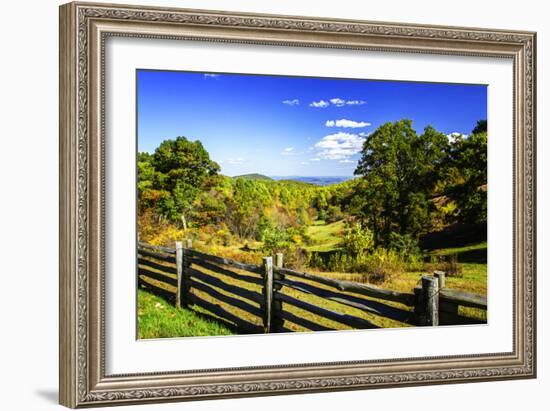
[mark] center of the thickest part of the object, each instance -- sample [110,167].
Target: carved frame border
[83,30]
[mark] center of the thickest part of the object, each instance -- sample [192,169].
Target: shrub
[405,245]
[275,240]
[243,256]
[295,257]
[377,266]
[381,264]
[448,264]
[322,215]
[166,236]
[358,239]
[223,237]
[315,260]
[334,213]
[341,262]
[206,234]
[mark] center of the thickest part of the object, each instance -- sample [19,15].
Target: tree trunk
[184,222]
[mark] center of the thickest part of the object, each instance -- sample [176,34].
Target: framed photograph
[259,204]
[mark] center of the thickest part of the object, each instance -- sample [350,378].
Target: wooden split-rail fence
[187,275]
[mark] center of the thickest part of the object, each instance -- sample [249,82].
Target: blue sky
[292,126]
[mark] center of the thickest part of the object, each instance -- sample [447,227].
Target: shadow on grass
[473,256]
[170,298]
[209,317]
[454,236]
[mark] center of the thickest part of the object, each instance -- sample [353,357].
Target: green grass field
[471,253]
[159,319]
[325,237]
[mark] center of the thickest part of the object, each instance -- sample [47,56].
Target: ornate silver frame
[83,30]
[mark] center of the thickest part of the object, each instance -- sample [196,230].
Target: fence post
[180,270]
[277,305]
[441,277]
[268,292]
[426,306]
[418,314]
[279,260]
[430,291]
[186,263]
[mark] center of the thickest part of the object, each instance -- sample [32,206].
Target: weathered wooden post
[277,305]
[441,277]
[279,260]
[427,302]
[418,314]
[180,297]
[268,292]
[186,264]
[430,288]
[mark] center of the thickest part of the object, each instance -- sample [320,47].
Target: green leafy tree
[400,170]
[467,164]
[481,127]
[246,206]
[178,170]
[405,245]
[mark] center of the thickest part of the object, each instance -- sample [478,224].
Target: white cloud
[304,163]
[338,102]
[347,123]
[319,104]
[339,146]
[355,102]
[453,137]
[288,151]
[210,75]
[315,159]
[236,161]
[346,160]
[293,102]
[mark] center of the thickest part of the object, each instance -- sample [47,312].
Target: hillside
[254,176]
[318,181]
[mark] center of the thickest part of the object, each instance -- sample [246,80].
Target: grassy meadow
[157,318]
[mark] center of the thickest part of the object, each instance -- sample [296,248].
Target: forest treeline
[407,185]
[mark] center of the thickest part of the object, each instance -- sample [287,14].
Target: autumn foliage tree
[173,176]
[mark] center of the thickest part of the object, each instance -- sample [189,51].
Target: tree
[481,127]
[179,170]
[184,161]
[400,170]
[467,164]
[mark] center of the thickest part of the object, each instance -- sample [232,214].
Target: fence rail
[364,304]
[271,295]
[233,289]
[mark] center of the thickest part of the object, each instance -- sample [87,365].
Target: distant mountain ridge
[320,181]
[254,176]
